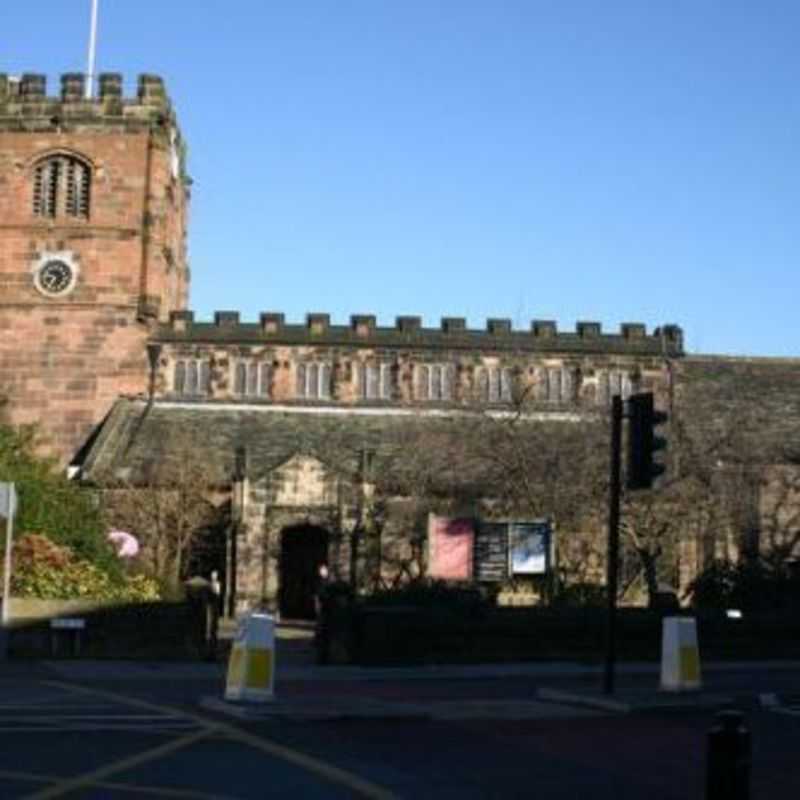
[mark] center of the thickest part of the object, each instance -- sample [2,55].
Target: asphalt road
[84,733]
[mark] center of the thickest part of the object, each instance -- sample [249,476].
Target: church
[99,349]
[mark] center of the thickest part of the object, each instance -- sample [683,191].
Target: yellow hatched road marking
[82,781]
[159,791]
[360,786]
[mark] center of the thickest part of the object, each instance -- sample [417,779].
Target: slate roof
[760,396]
[135,438]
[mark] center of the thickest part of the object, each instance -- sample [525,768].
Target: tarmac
[306,691]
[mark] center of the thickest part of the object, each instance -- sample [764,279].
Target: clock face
[55,276]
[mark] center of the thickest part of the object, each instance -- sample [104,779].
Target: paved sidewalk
[628,700]
[326,709]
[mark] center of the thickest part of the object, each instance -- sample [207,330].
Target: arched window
[62,187]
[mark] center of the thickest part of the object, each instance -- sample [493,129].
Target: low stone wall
[407,635]
[24,610]
[141,630]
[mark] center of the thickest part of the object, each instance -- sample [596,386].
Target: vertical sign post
[613,544]
[8,498]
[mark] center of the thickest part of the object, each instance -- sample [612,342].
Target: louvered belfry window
[62,187]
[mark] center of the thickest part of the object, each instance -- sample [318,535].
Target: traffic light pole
[613,544]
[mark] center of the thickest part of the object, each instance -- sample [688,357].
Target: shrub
[50,571]
[750,585]
[580,595]
[461,598]
[51,504]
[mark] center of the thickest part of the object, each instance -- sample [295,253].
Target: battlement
[408,331]
[25,104]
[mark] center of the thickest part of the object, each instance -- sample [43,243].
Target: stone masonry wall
[64,359]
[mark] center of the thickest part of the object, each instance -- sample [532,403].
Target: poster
[529,547]
[491,552]
[450,548]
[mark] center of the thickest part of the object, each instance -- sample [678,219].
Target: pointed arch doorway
[303,549]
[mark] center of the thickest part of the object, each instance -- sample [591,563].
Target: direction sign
[8,500]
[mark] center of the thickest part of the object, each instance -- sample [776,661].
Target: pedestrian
[323,576]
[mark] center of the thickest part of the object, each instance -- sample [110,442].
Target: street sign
[8,508]
[68,623]
[8,500]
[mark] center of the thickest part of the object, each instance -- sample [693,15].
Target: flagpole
[92,47]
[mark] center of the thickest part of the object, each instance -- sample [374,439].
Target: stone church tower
[93,206]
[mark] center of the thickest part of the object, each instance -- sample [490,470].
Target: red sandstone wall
[64,360]
[63,368]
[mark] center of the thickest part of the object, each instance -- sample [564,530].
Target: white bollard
[680,657]
[251,667]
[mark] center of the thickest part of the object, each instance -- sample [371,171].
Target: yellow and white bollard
[680,657]
[251,668]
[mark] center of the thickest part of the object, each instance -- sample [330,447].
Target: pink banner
[450,546]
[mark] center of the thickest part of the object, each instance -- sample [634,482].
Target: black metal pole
[612,558]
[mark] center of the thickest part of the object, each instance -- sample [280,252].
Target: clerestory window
[435,382]
[556,385]
[192,377]
[613,382]
[313,380]
[62,187]
[495,384]
[252,379]
[375,381]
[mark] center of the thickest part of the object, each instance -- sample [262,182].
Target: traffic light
[643,443]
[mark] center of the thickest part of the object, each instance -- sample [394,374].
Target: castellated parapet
[406,365]
[26,106]
[632,338]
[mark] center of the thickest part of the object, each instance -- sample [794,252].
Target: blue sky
[570,159]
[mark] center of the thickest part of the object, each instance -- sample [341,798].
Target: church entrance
[303,549]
